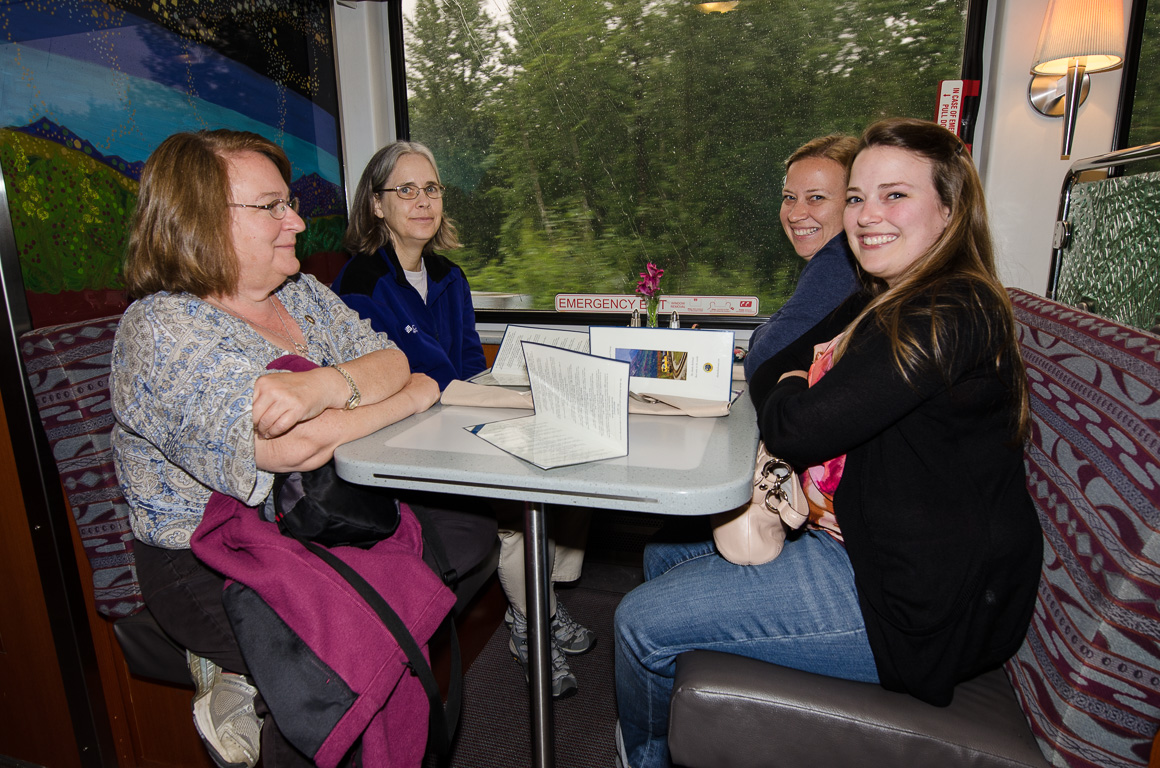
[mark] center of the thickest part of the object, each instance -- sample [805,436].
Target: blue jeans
[799,610]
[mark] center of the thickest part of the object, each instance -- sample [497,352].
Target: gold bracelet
[355,395]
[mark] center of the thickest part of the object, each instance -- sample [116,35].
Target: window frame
[974,40]
[1128,78]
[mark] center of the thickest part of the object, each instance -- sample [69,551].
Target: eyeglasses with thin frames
[411,191]
[277,208]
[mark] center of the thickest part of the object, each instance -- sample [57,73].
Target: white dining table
[676,465]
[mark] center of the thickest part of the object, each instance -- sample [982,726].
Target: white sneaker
[621,757]
[223,713]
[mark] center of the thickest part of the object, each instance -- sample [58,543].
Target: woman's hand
[787,374]
[284,399]
[297,428]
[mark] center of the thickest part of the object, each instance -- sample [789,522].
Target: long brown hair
[179,240]
[366,233]
[962,257]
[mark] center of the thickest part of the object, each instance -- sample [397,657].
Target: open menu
[509,369]
[681,362]
[580,407]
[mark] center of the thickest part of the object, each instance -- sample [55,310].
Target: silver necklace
[300,349]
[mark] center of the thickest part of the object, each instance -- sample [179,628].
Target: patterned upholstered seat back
[1088,675]
[68,369]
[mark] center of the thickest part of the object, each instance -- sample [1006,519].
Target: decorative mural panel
[88,89]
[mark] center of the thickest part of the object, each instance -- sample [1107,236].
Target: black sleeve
[865,392]
[798,354]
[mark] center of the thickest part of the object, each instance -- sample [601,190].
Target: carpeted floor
[495,728]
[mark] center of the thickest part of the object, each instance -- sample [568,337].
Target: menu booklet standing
[581,410]
[509,370]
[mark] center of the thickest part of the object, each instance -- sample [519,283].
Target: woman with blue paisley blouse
[211,261]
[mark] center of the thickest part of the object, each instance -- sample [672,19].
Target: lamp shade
[1088,29]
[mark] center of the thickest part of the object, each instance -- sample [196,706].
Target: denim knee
[662,557]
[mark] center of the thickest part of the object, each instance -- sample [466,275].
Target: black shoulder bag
[320,510]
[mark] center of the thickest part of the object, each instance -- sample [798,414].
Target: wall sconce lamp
[1078,37]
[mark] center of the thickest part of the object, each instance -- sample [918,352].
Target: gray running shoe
[564,683]
[223,713]
[572,637]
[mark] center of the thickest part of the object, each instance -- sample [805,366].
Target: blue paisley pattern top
[183,374]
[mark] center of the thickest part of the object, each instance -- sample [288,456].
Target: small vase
[654,304]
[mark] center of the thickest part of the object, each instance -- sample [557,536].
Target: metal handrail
[1062,228]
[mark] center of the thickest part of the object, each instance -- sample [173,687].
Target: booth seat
[68,370]
[1084,689]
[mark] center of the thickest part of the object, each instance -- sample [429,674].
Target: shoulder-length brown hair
[366,233]
[179,240]
[961,261]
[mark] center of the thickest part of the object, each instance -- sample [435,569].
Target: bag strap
[443,724]
[434,542]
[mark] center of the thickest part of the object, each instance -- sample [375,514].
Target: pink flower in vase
[650,283]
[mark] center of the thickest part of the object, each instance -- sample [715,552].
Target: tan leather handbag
[755,533]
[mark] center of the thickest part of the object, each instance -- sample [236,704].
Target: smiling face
[264,246]
[413,223]
[812,202]
[893,212]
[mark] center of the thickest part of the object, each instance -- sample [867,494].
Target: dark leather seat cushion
[149,652]
[732,712]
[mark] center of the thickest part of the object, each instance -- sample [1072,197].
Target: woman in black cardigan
[905,411]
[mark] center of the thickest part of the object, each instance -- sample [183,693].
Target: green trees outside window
[581,139]
[1145,126]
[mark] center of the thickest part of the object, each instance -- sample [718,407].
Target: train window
[580,140]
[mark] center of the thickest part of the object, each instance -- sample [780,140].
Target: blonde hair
[179,239]
[366,233]
[837,147]
[961,258]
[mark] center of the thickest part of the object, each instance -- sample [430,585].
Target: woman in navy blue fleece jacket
[396,279]
[421,300]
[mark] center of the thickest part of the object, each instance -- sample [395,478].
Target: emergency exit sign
[684,305]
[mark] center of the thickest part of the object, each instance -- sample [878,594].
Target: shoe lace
[564,626]
[520,630]
[559,662]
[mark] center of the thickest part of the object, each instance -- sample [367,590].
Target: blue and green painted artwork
[88,89]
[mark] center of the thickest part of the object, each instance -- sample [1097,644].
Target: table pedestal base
[539,649]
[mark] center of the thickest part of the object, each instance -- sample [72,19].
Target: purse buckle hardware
[773,476]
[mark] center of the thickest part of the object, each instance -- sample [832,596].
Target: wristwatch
[355,395]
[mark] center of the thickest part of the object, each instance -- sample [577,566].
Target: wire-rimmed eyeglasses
[276,208]
[411,191]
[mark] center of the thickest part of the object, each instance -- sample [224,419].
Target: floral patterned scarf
[820,481]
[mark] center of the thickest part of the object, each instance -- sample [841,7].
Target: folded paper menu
[509,369]
[468,394]
[580,410]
